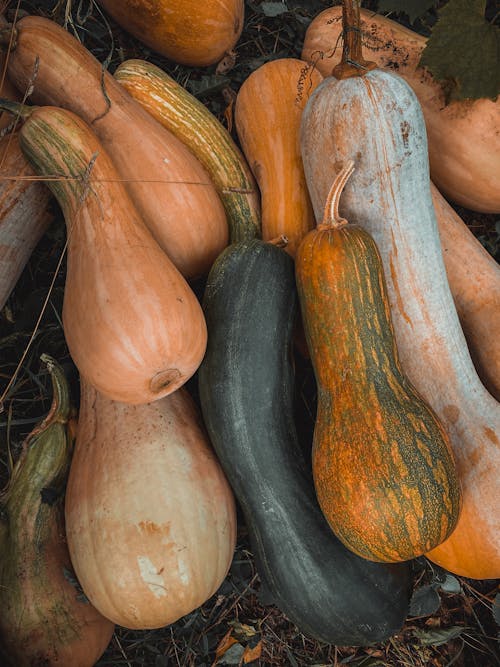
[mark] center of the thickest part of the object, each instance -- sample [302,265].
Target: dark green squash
[246,390]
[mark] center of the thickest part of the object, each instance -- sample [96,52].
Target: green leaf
[273,8]
[496,609]
[463,50]
[412,8]
[424,601]
[438,637]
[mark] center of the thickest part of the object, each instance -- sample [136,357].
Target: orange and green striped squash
[383,469]
[189,119]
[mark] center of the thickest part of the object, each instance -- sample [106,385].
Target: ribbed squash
[45,619]
[463,137]
[389,195]
[25,213]
[268,110]
[246,386]
[133,326]
[150,517]
[382,464]
[169,187]
[190,32]
[198,129]
[474,279]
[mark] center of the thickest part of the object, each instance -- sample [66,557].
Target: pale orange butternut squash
[170,188]
[150,517]
[133,326]
[268,110]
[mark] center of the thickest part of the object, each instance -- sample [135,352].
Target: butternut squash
[198,129]
[25,213]
[169,187]
[389,194]
[45,619]
[382,464]
[463,137]
[268,110]
[133,326]
[150,517]
[186,31]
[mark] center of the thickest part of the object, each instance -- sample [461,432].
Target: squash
[45,620]
[474,279]
[169,187]
[198,129]
[273,97]
[246,390]
[382,464]
[463,141]
[24,213]
[150,517]
[186,31]
[389,195]
[133,326]
[7,90]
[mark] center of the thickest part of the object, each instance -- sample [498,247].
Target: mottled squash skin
[383,468]
[247,397]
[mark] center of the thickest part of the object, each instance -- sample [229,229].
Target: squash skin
[190,120]
[463,144]
[133,325]
[474,279]
[389,194]
[186,31]
[169,187]
[250,302]
[382,464]
[273,96]
[150,517]
[44,619]
[24,213]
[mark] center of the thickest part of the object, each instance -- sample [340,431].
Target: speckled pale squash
[464,137]
[150,517]
[474,279]
[376,121]
[169,187]
[382,464]
[198,129]
[267,112]
[45,619]
[190,32]
[133,325]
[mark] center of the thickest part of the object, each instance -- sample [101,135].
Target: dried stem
[352,63]
[331,216]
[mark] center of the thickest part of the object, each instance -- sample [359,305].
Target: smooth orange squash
[133,326]
[24,213]
[150,517]
[45,619]
[268,110]
[389,195]
[170,188]
[190,32]
[474,279]
[463,137]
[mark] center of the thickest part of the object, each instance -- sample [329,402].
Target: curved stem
[331,216]
[16,108]
[352,63]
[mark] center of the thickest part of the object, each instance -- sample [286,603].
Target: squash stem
[331,217]
[16,108]
[352,63]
